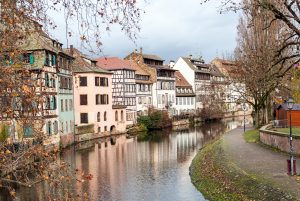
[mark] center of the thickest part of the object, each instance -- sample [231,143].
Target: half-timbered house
[123,84]
[162,76]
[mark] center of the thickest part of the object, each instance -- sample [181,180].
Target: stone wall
[66,140]
[278,140]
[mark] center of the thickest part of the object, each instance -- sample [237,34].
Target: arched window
[98,117]
[122,115]
[116,116]
[105,116]
[48,127]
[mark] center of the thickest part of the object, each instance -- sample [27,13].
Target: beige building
[93,98]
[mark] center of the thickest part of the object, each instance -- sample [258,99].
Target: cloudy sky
[174,28]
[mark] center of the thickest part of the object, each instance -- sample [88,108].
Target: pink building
[95,115]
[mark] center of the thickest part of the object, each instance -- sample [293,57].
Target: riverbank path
[261,161]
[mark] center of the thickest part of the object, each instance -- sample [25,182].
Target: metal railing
[280,123]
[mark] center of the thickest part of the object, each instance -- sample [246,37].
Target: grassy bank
[251,136]
[218,178]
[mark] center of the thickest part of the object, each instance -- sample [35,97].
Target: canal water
[153,168]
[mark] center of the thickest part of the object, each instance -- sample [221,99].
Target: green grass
[295,130]
[252,136]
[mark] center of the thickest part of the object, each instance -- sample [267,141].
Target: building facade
[93,98]
[163,78]
[123,85]
[197,74]
[185,97]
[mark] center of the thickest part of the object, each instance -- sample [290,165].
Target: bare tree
[257,48]
[286,12]
[23,26]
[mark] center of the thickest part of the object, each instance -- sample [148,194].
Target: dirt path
[261,161]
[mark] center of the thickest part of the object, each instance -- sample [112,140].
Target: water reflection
[150,168]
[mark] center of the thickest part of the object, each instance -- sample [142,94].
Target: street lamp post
[244,108]
[290,104]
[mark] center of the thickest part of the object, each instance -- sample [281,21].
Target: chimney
[172,63]
[191,56]
[141,50]
[71,50]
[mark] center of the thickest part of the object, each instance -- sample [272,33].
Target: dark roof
[165,67]
[284,106]
[194,66]
[82,64]
[152,56]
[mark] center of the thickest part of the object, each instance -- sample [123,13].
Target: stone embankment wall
[278,140]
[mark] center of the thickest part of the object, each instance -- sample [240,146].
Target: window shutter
[54,59]
[47,79]
[27,131]
[31,58]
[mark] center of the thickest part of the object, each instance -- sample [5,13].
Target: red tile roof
[181,81]
[115,63]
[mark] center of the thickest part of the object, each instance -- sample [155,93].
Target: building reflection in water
[152,169]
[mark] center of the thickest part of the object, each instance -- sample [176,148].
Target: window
[98,117]
[99,129]
[103,81]
[116,115]
[83,100]
[48,128]
[62,105]
[47,104]
[140,100]
[83,81]
[105,116]
[97,81]
[102,99]
[122,115]
[84,118]
[66,103]
[47,81]
[53,103]
[105,128]
[150,101]
[70,104]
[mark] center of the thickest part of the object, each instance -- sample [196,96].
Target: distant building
[185,96]
[234,91]
[93,98]
[123,84]
[163,76]
[197,74]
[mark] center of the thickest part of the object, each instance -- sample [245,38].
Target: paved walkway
[260,160]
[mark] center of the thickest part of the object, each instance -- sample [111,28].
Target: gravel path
[261,161]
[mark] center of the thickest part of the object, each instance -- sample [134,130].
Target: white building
[185,97]
[197,74]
